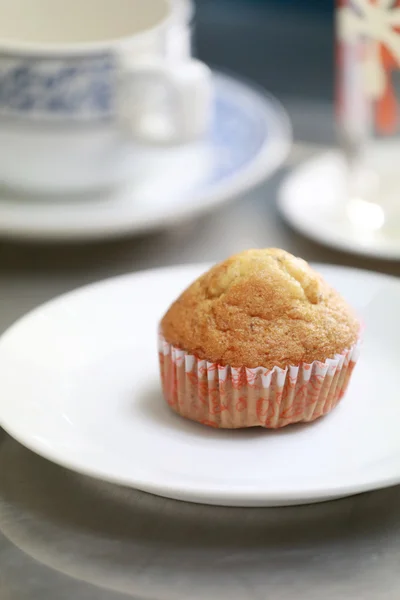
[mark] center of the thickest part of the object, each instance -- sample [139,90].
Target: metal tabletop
[64,536]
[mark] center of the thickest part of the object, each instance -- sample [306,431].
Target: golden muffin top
[261,308]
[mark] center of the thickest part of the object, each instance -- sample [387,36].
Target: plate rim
[213,494]
[342,244]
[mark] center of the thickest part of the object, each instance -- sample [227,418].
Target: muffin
[259,340]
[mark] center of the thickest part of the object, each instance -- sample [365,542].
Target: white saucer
[79,385]
[313,201]
[249,139]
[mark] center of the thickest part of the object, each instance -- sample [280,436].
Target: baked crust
[261,308]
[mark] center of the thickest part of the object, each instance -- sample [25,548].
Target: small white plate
[79,385]
[249,139]
[313,201]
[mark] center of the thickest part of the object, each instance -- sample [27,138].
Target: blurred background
[287,48]
[285,45]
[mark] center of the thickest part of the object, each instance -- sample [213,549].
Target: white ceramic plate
[79,385]
[312,200]
[249,139]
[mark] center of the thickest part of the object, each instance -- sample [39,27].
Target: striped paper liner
[227,397]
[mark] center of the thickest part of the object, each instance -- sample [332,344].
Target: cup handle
[164,103]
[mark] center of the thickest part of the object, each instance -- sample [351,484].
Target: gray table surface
[64,536]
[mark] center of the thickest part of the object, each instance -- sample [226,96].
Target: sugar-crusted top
[261,308]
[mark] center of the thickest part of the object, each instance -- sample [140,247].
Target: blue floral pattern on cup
[73,88]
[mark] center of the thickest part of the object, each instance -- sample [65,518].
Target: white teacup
[83,82]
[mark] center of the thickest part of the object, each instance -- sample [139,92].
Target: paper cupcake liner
[228,397]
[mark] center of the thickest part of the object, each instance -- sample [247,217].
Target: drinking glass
[368,103]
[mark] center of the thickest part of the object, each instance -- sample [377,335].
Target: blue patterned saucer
[249,139]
